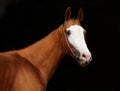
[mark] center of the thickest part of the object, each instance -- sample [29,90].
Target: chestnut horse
[30,68]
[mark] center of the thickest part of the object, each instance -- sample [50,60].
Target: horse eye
[68,32]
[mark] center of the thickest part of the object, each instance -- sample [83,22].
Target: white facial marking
[76,39]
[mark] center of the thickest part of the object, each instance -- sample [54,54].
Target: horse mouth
[82,62]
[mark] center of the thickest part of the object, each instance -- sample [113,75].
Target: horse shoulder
[18,74]
[8,70]
[28,77]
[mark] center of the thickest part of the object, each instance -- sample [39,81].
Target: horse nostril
[83,55]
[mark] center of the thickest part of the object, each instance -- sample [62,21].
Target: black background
[23,22]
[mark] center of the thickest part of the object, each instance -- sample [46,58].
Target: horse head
[74,35]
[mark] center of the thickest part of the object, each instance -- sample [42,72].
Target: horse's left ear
[80,15]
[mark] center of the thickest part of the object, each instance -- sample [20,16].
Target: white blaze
[76,39]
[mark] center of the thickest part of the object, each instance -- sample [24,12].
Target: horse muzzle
[84,59]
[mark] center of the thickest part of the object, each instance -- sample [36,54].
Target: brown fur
[18,74]
[30,68]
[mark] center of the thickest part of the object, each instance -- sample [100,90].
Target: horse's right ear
[67,14]
[80,15]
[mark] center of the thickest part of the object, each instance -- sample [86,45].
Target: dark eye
[68,32]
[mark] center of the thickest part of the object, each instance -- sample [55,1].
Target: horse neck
[46,53]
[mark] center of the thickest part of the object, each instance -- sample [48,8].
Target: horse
[30,68]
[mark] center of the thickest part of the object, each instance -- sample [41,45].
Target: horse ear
[67,14]
[80,15]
